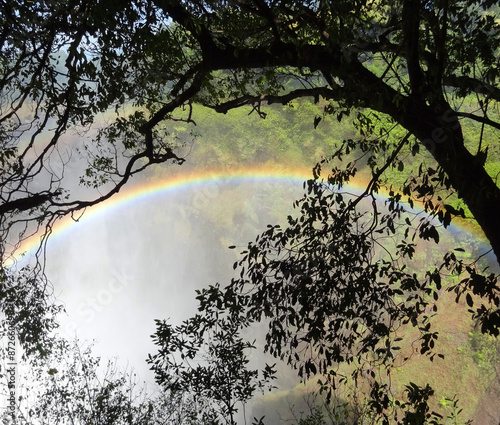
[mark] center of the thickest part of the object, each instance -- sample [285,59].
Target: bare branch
[477,118]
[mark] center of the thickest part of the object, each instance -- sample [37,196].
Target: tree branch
[315,92]
[147,128]
[129,172]
[180,15]
[175,103]
[27,203]
[411,23]
[477,118]
[473,85]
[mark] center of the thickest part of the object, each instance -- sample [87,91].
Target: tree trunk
[441,134]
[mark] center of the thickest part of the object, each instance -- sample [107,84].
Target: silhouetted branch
[477,118]
[315,93]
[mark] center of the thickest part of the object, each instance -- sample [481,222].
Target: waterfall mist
[119,269]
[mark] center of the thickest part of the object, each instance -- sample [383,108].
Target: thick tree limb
[27,203]
[411,24]
[180,15]
[315,92]
[437,130]
[473,85]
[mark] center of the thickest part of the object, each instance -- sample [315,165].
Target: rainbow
[134,194]
[184,181]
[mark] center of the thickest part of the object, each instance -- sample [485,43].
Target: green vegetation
[402,94]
